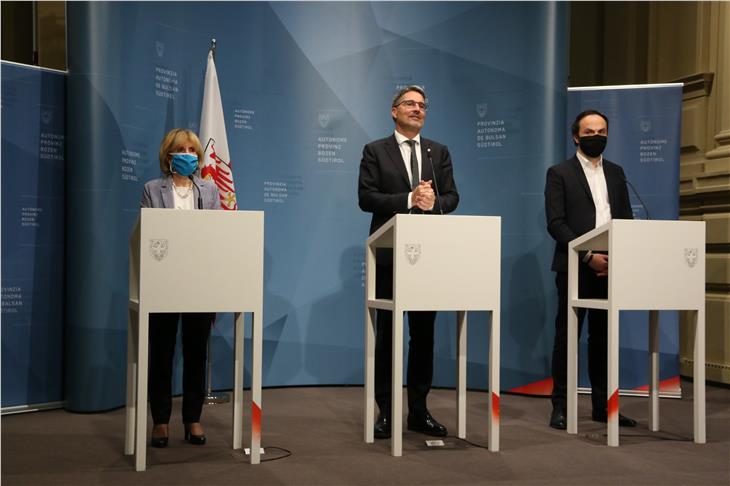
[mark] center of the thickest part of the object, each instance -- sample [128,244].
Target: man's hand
[423,196]
[599,264]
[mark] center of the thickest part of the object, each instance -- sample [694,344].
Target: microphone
[435,184]
[200,198]
[626,181]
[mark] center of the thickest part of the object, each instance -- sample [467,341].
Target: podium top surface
[598,239]
[383,237]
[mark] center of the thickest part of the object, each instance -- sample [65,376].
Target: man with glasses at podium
[583,193]
[405,173]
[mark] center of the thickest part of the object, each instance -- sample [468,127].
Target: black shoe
[557,419]
[162,440]
[382,427]
[426,424]
[159,441]
[623,421]
[194,439]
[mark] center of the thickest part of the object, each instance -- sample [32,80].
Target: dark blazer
[383,185]
[569,207]
[157,193]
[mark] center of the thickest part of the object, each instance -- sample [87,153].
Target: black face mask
[592,146]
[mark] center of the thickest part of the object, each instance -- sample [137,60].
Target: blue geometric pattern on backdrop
[304,87]
[33,217]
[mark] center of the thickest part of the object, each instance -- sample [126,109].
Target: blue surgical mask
[184,164]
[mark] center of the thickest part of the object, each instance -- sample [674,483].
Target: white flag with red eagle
[216,164]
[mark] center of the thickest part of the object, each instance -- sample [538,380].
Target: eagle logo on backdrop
[690,256]
[645,125]
[46,116]
[481,109]
[323,119]
[158,248]
[413,252]
[159,48]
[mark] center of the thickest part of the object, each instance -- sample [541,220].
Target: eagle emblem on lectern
[690,256]
[413,252]
[158,248]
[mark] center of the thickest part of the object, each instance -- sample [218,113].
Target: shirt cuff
[409,205]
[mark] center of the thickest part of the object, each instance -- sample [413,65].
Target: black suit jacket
[383,185]
[569,207]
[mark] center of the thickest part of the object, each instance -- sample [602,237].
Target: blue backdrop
[33,233]
[304,87]
[644,138]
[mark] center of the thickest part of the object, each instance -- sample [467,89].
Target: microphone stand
[435,183]
[211,398]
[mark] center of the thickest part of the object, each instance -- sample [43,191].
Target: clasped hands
[423,196]
[599,264]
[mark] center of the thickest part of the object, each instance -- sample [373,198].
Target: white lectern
[440,263]
[654,265]
[194,261]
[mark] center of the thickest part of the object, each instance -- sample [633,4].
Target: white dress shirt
[183,202]
[405,151]
[599,190]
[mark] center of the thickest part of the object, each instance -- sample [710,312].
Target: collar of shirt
[587,164]
[400,138]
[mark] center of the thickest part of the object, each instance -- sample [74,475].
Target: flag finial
[213,46]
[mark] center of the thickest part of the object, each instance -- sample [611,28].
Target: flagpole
[212,398]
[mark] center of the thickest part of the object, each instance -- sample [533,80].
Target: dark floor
[322,427]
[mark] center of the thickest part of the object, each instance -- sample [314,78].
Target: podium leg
[612,392]
[654,370]
[257,322]
[572,351]
[238,365]
[369,374]
[572,377]
[461,374]
[699,376]
[396,438]
[132,328]
[494,416]
[140,449]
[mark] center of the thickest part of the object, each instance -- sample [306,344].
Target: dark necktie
[415,176]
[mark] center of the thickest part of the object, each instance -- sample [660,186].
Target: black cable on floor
[286,452]
[473,444]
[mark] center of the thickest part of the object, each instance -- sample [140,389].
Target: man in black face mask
[583,193]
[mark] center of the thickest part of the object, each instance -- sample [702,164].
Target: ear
[575,140]
[394,112]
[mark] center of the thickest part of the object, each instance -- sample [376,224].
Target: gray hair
[413,87]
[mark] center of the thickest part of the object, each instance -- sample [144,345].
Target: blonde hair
[174,139]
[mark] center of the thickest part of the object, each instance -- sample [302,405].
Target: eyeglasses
[412,103]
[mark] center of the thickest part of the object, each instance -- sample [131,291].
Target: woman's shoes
[159,441]
[192,438]
[162,438]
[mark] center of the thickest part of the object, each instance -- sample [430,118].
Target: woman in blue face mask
[179,188]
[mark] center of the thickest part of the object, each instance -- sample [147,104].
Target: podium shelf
[590,303]
[384,304]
